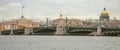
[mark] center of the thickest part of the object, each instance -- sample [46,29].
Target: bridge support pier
[99,31]
[28,31]
[60,30]
[119,35]
[31,31]
[11,33]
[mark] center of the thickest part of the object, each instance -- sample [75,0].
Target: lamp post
[66,21]
[47,22]
[66,25]
[3,24]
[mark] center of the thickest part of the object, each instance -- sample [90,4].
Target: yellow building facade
[18,24]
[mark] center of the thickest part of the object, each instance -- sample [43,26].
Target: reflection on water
[59,43]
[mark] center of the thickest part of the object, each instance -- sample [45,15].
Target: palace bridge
[67,30]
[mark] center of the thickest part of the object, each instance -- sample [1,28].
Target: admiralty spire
[61,13]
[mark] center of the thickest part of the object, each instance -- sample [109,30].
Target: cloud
[7,6]
[1,8]
[41,8]
[13,4]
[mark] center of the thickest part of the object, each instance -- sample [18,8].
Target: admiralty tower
[104,15]
[67,21]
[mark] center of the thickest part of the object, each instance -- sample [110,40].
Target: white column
[16,26]
[12,27]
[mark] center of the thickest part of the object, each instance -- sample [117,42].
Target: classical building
[68,22]
[104,18]
[104,15]
[19,23]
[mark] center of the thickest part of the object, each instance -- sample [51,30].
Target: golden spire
[61,13]
[104,11]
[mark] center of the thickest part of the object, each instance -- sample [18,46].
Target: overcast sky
[41,9]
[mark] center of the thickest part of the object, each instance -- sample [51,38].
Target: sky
[39,10]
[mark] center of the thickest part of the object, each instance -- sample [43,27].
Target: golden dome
[104,11]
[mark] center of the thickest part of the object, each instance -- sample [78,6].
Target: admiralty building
[22,22]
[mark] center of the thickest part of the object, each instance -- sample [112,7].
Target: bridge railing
[70,28]
[36,29]
[110,29]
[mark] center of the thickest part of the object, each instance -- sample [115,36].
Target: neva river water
[13,42]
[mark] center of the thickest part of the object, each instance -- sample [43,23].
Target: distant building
[19,23]
[92,22]
[111,23]
[104,15]
[68,22]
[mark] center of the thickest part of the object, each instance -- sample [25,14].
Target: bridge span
[69,30]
